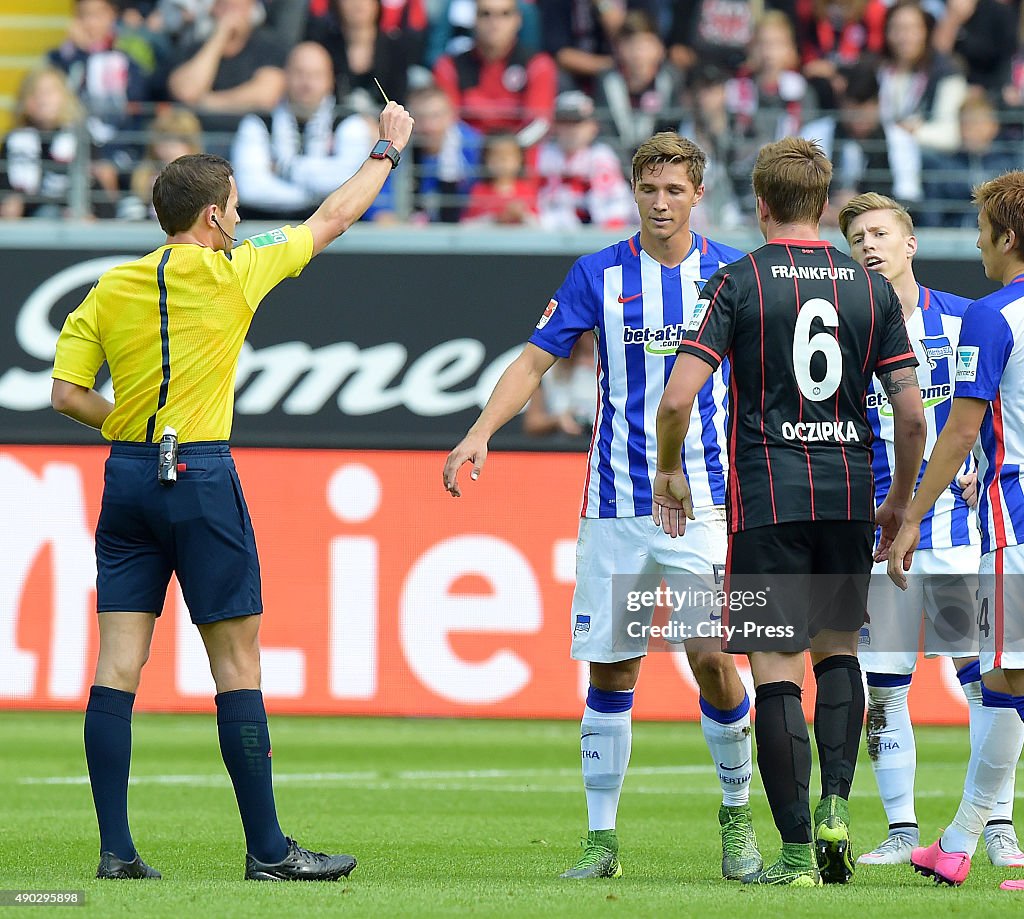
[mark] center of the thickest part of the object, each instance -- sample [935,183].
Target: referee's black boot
[300,865]
[112,868]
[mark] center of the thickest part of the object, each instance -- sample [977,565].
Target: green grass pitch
[447,818]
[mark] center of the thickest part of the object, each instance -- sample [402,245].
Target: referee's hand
[472,449]
[672,502]
[396,125]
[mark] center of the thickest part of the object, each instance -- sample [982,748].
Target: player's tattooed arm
[896,381]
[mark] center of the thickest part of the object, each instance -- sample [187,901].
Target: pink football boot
[945,867]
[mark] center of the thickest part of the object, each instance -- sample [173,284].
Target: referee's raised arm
[344,206]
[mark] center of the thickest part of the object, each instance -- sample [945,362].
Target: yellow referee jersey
[171,326]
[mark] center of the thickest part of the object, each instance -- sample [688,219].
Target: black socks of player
[108,752]
[245,747]
[838,720]
[784,758]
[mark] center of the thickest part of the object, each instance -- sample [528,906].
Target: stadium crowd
[527,111]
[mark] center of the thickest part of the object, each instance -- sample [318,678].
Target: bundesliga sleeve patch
[273,238]
[549,311]
[698,315]
[967,364]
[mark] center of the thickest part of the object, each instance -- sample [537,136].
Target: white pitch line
[517,773]
[398,778]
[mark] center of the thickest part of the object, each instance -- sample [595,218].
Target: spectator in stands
[983,35]
[566,402]
[174,132]
[285,160]
[445,157]
[360,50]
[771,99]
[921,90]
[709,124]
[635,98]
[286,19]
[581,180]
[181,22]
[836,34]
[951,178]
[1011,97]
[37,155]
[580,36]
[408,19]
[451,32]
[868,155]
[110,83]
[505,197]
[716,32]
[237,70]
[498,85]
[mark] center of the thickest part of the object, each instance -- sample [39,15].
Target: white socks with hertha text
[606,735]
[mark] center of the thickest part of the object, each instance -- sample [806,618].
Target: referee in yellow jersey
[170,326]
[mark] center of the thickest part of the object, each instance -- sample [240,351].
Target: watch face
[380,148]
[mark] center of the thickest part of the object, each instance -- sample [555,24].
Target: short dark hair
[861,83]
[186,186]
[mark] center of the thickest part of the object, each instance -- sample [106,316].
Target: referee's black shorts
[787,582]
[199,529]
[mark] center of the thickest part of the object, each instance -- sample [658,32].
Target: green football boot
[832,847]
[600,858]
[795,868]
[740,856]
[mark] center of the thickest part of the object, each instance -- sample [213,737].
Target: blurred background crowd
[527,111]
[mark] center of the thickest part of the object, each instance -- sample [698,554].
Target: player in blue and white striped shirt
[881,237]
[637,298]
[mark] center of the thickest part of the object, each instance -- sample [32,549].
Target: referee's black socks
[108,753]
[245,747]
[838,721]
[784,758]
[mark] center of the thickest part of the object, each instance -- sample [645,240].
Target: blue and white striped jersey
[934,330]
[990,366]
[638,311]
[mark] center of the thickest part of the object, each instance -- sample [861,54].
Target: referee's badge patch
[549,311]
[273,238]
[967,364]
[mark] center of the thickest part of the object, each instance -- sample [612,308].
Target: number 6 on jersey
[805,346]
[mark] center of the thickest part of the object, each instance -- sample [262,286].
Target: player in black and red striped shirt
[805,328]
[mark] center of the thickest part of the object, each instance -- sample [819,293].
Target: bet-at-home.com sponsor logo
[930,396]
[663,342]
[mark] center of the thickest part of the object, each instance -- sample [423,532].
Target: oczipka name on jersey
[809,432]
[663,341]
[812,273]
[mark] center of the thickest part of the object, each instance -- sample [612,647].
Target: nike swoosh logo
[623,299]
[591,734]
[733,768]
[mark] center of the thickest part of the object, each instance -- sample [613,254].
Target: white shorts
[942,586]
[616,556]
[1000,609]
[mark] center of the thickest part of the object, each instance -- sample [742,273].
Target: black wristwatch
[384,149]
